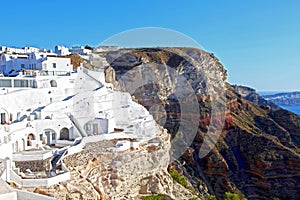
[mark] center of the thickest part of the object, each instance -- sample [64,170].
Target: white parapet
[39,182]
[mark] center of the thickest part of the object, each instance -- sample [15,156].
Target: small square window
[54,65]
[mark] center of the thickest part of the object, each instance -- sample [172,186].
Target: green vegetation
[232,196]
[156,197]
[88,47]
[177,177]
[211,197]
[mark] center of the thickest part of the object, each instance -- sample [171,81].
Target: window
[53,136]
[54,65]
[21,83]
[5,83]
[88,127]
[41,137]
[22,65]
[34,85]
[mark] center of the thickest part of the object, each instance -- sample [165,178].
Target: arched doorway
[3,116]
[64,134]
[30,137]
[53,83]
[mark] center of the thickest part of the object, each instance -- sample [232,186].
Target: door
[95,129]
[48,136]
[3,121]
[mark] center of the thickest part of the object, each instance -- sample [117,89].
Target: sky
[258,42]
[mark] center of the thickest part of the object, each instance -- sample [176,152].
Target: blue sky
[257,41]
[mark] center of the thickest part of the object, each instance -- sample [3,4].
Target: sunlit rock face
[257,154]
[98,173]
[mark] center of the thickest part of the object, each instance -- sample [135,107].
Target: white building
[14,50]
[43,50]
[81,50]
[2,49]
[10,63]
[46,118]
[30,49]
[61,50]
[47,63]
[39,112]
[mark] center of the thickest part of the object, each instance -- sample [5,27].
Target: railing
[39,182]
[77,125]
[22,194]
[86,71]
[76,147]
[58,155]
[33,155]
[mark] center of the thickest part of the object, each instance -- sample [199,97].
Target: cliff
[99,173]
[251,95]
[257,154]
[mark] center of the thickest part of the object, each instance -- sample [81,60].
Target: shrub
[88,47]
[177,177]
[156,197]
[232,196]
[211,197]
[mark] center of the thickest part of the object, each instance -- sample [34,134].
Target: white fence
[75,149]
[32,196]
[31,156]
[39,182]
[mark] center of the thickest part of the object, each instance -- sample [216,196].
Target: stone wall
[34,166]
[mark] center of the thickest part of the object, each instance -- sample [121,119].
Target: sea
[294,109]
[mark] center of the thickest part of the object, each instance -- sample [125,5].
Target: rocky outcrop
[251,95]
[98,173]
[36,165]
[257,154]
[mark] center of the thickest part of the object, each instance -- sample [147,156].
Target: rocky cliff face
[257,154]
[251,95]
[98,173]
[285,99]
